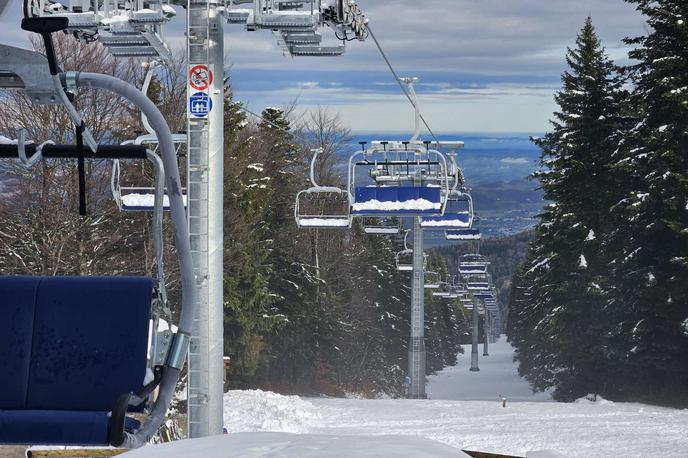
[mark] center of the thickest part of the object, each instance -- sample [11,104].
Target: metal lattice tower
[417,343]
[205,195]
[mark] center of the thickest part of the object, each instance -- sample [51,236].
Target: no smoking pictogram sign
[200,77]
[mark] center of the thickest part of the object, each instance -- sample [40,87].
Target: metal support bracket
[27,70]
[178,350]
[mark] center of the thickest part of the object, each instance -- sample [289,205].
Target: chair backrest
[72,343]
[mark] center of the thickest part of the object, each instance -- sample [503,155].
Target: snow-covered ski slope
[465,413]
[498,377]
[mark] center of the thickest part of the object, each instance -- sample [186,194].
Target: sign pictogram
[200,77]
[200,105]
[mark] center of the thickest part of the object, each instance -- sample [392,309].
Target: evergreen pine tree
[650,334]
[566,347]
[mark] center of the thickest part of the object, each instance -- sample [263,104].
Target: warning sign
[200,77]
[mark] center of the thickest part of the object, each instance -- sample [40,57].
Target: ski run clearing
[464,412]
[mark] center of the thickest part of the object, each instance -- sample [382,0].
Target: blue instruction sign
[200,105]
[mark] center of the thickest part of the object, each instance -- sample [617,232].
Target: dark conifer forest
[601,303]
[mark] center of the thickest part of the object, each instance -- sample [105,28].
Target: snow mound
[545,454]
[257,410]
[593,399]
[250,445]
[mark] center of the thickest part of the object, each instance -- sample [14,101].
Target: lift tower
[205,141]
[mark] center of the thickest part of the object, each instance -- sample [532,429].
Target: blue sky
[484,65]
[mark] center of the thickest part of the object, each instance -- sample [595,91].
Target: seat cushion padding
[41,427]
[89,343]
[17,310]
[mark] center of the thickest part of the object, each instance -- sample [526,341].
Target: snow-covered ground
[464,413]
[260,445]
[498,377]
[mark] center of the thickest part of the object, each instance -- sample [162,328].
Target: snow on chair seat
[71,351]
[460,220]
[463,234]
[138,201]
[323,222]
[468,268]
[381,226]
[477,285]
[397,201]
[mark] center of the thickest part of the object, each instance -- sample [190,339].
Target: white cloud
[515,161]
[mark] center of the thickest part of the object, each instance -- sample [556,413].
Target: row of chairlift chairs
[473,285]
[387,182]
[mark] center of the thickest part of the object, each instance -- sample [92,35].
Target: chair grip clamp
[178,349]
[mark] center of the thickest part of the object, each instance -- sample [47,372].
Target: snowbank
[258,410]
[593,399]
[249,445]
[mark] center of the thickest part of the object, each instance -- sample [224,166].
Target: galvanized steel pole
[416,354]
[205,132]
[474,337]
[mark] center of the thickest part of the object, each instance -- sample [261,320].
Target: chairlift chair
[75,360]
[463,235]
[476,282]
[458,214]
[296,23]
[404,260]
[468,268]
[142,198]
[443,291]
[420,191]
[136,198]
[381,226]
[322,207]
[432,280]
[126,29]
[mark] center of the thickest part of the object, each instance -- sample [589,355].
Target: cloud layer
[485,65]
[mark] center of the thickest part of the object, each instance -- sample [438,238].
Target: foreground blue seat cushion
[17,309]
[90,342]
[41,427]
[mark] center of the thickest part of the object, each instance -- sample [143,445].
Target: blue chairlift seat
[397,201]
[472,233]
[448,221]
[70,348]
